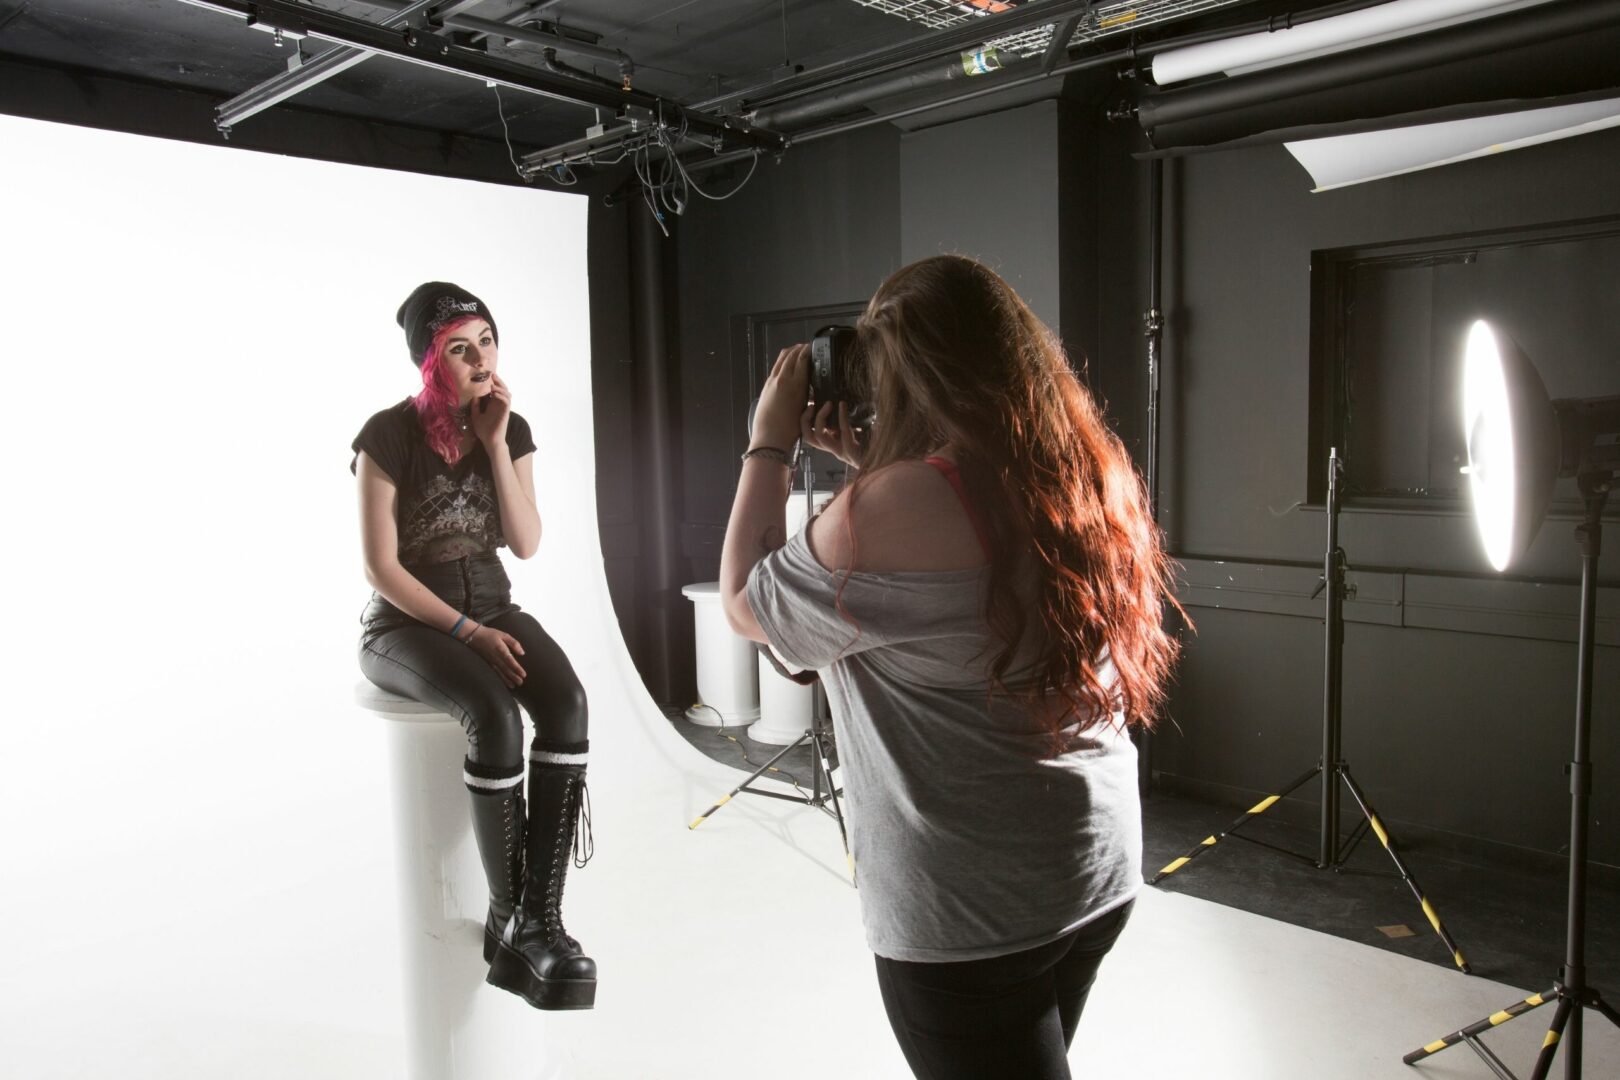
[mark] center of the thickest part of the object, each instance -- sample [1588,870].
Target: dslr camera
[836,374]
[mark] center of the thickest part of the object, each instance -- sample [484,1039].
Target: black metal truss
[421,47]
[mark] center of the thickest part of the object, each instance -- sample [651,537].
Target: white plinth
[457,1027]
[784,708]
[727,681]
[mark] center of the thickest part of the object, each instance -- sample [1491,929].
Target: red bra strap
[949,471]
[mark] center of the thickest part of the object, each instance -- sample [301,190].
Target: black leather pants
[409,658]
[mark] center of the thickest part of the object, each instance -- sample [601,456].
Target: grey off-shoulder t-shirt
[971,839]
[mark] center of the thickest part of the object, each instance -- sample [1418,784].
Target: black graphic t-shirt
[445,511]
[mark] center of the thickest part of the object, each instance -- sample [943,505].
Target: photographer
[984,605]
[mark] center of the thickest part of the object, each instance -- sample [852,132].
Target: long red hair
[439,400]
[953,355]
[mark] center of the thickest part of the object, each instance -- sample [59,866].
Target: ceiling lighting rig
[1102,20]
[1013,44]
[418,33]
[991,45]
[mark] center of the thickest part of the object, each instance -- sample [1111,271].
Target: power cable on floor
[744,750]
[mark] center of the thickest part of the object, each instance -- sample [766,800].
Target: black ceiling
[682,51]
[163,66]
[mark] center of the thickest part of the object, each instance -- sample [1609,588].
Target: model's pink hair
[439,399]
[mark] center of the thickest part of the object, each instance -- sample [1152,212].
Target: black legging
[1012,1015]
[406,657]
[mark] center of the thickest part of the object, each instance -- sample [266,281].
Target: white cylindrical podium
[727,681]
[456,1026]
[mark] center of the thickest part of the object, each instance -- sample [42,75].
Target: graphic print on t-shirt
[451,520]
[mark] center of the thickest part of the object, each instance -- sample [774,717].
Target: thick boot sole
[492,937]
[509,971]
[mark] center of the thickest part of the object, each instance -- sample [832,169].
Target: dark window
[756,339]
[1388,324]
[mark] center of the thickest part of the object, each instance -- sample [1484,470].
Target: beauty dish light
[1512,433]
[1519,444]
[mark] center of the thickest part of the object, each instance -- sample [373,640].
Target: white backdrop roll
[194,812]
[1254,52]
[196,333]
[1337,161]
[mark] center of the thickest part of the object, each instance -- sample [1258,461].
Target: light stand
[1509,422]
[1570,990]
[823,793]
[1332,767]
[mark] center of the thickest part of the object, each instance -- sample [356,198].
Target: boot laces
[514,849]
[576,810]
[584,842]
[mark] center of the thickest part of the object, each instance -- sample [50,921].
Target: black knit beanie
[430,306]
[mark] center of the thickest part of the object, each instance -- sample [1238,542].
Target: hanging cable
[666,184]
[507,132]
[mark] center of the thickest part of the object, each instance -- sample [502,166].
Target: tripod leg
[755,775]
[1603,1007]
[1555,1032]
[832,794]
[1572,1041]
[1249,815]
[1518,1008]
[1406,875]
[1357,835]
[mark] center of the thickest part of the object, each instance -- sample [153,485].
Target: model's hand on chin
[491,412]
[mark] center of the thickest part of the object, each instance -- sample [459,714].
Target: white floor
[732,951]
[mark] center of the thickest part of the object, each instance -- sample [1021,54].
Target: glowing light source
[1520,442]
[1488,426]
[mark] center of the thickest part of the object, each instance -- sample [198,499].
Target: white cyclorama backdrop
[196,818]
[195,835]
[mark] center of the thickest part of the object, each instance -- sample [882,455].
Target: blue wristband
[456,627]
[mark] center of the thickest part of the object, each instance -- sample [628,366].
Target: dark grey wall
[820,228]
[958,195]
[1462,728]
[1241,230]
[1018,190]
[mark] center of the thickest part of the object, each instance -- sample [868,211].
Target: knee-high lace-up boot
[498,828]
[535,957]
[497,820]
